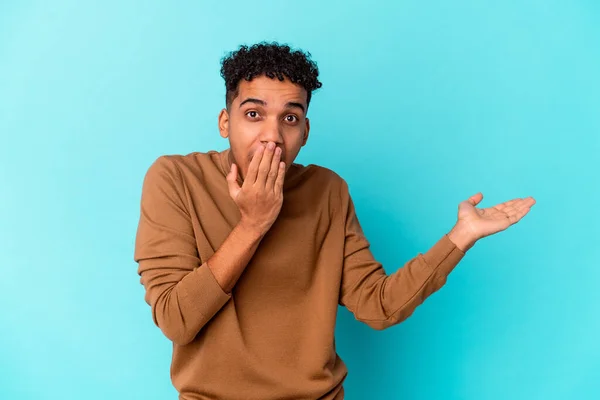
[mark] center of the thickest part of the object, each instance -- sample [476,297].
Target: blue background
[423,104]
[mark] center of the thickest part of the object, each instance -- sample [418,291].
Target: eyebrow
[252,100]
[290,104]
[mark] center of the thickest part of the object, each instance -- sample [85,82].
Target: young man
[245,255]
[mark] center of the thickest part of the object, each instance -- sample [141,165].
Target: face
[265,110]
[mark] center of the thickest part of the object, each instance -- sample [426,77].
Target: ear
[305,138]
[224,123]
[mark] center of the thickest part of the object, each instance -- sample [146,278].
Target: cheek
[241,138]
[242,129]
[290,153]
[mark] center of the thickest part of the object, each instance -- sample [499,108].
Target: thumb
[234,187]
[475,199]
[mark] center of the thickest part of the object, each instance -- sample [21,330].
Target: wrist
[250,230]
[462,237]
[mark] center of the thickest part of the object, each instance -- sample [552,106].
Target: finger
[524,203]
[510,210]
[523,209]
[516,213]
[520,214]
[253,168]
[518,204]
[475,199]
[274,169]
[530,201]
[278,187]
[234,187]
[265,165]
[516,216]
[502,206]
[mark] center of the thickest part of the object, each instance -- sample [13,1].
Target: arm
[231,259]
[182,291]
[382,300]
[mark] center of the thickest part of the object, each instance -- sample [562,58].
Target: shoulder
[181,167]
[325,179]
[180,161]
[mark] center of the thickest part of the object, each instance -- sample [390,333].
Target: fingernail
[271,145]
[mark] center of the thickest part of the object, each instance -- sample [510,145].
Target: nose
[271,132]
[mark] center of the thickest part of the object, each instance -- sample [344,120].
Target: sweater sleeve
[181,290]
[382,300]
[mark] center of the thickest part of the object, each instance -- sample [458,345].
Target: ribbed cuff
[443,256]
[203,292]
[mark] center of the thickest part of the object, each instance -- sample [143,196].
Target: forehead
[272,91]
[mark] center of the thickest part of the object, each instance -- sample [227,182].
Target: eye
[291,118]
[252,114]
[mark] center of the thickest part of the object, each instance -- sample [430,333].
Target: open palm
[487,221]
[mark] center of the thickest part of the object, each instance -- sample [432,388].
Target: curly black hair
[270,59]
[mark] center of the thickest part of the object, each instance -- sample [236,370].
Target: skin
[265,110]
[266,126]
[475,223]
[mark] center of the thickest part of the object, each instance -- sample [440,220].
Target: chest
[291,256]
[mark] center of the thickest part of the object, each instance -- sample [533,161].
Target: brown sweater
[273,336]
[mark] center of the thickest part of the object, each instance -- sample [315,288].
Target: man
[245,255]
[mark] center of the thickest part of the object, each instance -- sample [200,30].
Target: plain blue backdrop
[423,104]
